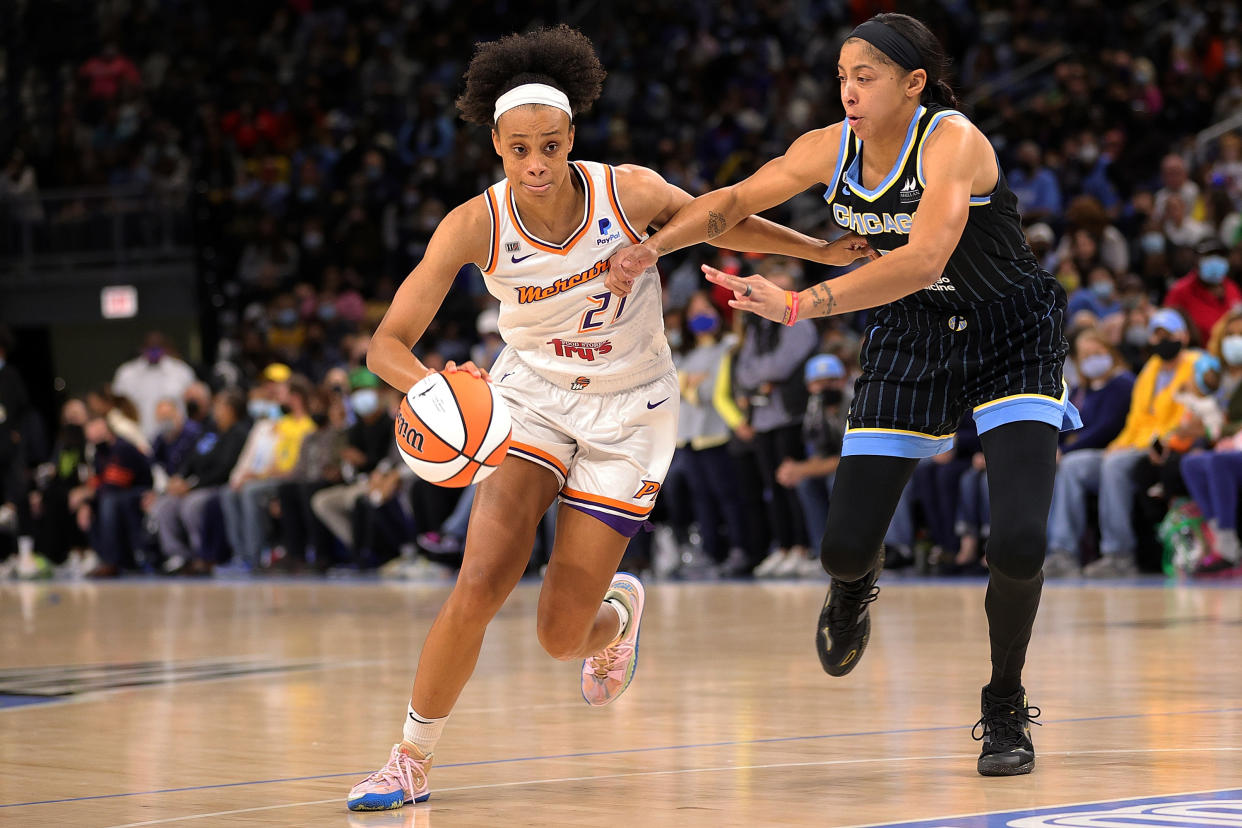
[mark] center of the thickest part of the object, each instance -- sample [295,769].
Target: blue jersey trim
[893,443]
[903,158]
[1060,414]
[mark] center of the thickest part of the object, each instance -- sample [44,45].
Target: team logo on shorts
[580,384]
[957,323]
[650,489]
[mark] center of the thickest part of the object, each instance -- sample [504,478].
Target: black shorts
[924,368]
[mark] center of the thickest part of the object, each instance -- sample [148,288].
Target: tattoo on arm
[715,224]
[822,299]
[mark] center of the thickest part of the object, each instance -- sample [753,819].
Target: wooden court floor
[260,703]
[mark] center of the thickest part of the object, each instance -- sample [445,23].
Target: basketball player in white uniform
[588,379]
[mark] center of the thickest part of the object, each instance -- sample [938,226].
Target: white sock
[421,731]
[623,614]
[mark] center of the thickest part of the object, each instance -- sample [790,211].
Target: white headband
[532,93]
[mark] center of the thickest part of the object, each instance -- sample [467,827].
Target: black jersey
[991,260]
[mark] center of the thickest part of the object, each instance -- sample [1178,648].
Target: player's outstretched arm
[953,157]
[461,238]
[654,202]
[808,161]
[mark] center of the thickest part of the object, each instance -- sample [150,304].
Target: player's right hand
[626,265]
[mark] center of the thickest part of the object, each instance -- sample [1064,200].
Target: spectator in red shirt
[107,72]
[1205,294]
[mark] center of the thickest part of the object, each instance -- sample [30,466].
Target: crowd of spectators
[320,142]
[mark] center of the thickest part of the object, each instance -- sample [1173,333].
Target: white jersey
[555,312]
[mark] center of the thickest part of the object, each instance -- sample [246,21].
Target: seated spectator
[823,430]
[57,536]
[318,466]
[367,443]
[1098,295]
[1110,473]
[1205,294]
[179,512]
[175,439]
[1036,186]
[268,458]
[1213,477]
[1102,397]
[109,505]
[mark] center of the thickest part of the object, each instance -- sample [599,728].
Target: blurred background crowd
[316,146]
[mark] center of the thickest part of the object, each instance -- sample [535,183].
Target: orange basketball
[453,429]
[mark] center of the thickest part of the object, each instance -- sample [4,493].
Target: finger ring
[749,290]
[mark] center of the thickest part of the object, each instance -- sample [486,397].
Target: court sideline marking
[634,774]
[772,740]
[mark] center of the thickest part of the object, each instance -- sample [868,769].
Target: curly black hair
[559,56]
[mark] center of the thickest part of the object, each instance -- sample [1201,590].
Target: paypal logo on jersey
[606,233]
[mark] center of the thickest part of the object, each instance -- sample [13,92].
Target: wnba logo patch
[580,384]
[650,489]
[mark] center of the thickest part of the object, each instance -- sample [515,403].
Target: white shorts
[609,451]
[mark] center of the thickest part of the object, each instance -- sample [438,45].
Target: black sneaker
[844,622]
[1006,736]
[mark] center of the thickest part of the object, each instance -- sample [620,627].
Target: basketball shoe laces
[844,616]
[1006,724]
[608,663]
[403,770]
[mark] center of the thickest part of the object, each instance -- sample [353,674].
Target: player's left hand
[750,293]
[626,265]
[469,367]
[847,249]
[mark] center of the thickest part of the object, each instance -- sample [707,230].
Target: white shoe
[790,567]
[768,566]
[811,568]
[72,565]
[87,562]
[173,564]
[7,567]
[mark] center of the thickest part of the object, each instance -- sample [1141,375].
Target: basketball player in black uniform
[965,320]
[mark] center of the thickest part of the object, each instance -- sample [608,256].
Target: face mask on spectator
[167,427]
[193,409]
[327,312]
[1104,290]
[287,318]
[1152,243]
[1095,366]
[1213,269]
[312,241]
[365,401]
[832,396]
[1231,349]
[1136,335]
[154,355]
[262,409]
[704,322]
[320,419]
[674,339]
[1167,349]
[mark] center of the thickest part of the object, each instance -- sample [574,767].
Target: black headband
[891,42]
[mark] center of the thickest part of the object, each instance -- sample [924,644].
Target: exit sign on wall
[119,302]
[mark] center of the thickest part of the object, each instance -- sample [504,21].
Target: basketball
[453,429]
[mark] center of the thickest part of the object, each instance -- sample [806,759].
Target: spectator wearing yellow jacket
[1155,413]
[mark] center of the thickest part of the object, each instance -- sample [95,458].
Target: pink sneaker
[401,782]
[606,674]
